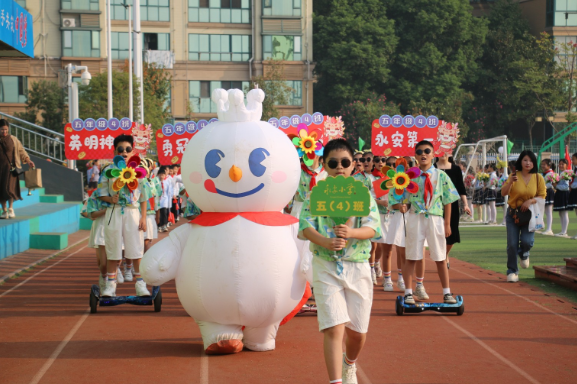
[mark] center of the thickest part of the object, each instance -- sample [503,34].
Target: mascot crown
[230,105]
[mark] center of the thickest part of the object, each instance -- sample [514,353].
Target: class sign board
[340,198]
[93,139]
[397,135]
[172,139]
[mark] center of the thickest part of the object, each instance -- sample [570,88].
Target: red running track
[510,333]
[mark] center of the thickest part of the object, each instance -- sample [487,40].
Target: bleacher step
[49,240]
[26,201]
[571,262]
[562,275]
[52,199]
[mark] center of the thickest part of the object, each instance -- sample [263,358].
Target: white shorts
[344,299]
[151,228]
[384,227]
[396,233]
[123,230]
[96,233]
[422,230]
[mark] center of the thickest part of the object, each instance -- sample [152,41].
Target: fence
[36,139]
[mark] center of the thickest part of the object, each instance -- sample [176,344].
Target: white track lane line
[203,367]
[513,293]
[6,277]
[59,349]
[39,272]
[492,351]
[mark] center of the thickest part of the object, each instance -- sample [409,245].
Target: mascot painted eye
[210,161]
[255,159]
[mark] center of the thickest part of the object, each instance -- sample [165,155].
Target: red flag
[567,155]
[379,190]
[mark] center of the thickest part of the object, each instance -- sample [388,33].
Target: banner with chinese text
[16,27]
[327,127]
[171,140]
[398,135]
[92,139]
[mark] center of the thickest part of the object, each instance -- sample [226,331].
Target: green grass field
[486,247]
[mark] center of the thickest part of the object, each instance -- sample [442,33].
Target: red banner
[326,127]
[83,144]
[398,135]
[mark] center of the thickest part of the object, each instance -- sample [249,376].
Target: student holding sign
[341,272]
[429,220]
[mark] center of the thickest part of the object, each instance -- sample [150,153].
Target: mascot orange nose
[235,173]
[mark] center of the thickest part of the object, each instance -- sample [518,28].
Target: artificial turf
[486,246]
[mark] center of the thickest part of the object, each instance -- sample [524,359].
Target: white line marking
[492,351]
[39,272]
[522,297]
[203,367]
[58,349]
[361,374]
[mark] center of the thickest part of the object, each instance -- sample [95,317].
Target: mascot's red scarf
[270,219]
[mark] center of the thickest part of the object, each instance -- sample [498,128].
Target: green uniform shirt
[444,193]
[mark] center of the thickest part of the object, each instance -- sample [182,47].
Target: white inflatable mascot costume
[236,265]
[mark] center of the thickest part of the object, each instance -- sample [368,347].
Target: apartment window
[156,41]
[219,11]
[199,93]
[286,48]
[150,10]
[81,5]
[81,43]
[281,7]
[13,89]
[561,13]
[296,95]
[219,47]
[119,45]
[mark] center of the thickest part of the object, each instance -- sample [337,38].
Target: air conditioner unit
[68,23]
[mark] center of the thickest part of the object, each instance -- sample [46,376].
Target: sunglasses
[366,159]
[377,160]
[426,151]
[122,149]
[356,160]
[391,164]
[333,164]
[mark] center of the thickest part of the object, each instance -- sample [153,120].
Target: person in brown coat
[12,155]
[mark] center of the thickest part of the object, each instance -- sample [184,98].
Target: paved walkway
[510,333]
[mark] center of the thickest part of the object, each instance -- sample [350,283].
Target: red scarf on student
[312,174]
[270,219]
[378,173]
[428,189]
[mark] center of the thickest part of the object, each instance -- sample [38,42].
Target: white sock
[549,214]
[446,291]
[408,291]
[492,211]
[564,215]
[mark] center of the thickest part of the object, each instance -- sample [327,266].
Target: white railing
[36,139]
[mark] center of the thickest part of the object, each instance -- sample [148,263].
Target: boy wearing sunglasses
[429,220]
[124,222]
[342,281]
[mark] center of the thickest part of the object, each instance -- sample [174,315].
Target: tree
[276,90]
[358,116]
[46,106]
[448,109]
[437,51]
[354,43]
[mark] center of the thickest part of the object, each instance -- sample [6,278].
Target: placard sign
[340,198]
[93,139]
[327,127]
[398,135]
[171,140]
[16,27]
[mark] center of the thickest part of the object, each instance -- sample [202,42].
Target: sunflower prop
[399,179]
[126,174]
[307,144]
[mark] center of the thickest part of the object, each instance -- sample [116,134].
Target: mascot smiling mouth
[210,187]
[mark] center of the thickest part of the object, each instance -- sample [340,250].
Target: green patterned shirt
[444,193]
[356,250]
[304,189]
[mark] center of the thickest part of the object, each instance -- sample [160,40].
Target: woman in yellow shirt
[524,185]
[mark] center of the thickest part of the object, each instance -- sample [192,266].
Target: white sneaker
[5,215]
[349,373]
[128,274]
[141,288]
[378,270]
[512,278]
[401,285]
[525,263]
[119,276]
[564,235]
[11,212]
[110,289]
[374,276]
[388,286]
[102,283]
[421,293]
[548,233]
[574,237]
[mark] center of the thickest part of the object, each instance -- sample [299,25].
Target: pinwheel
[399,179]
[126,174]
[307,144]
